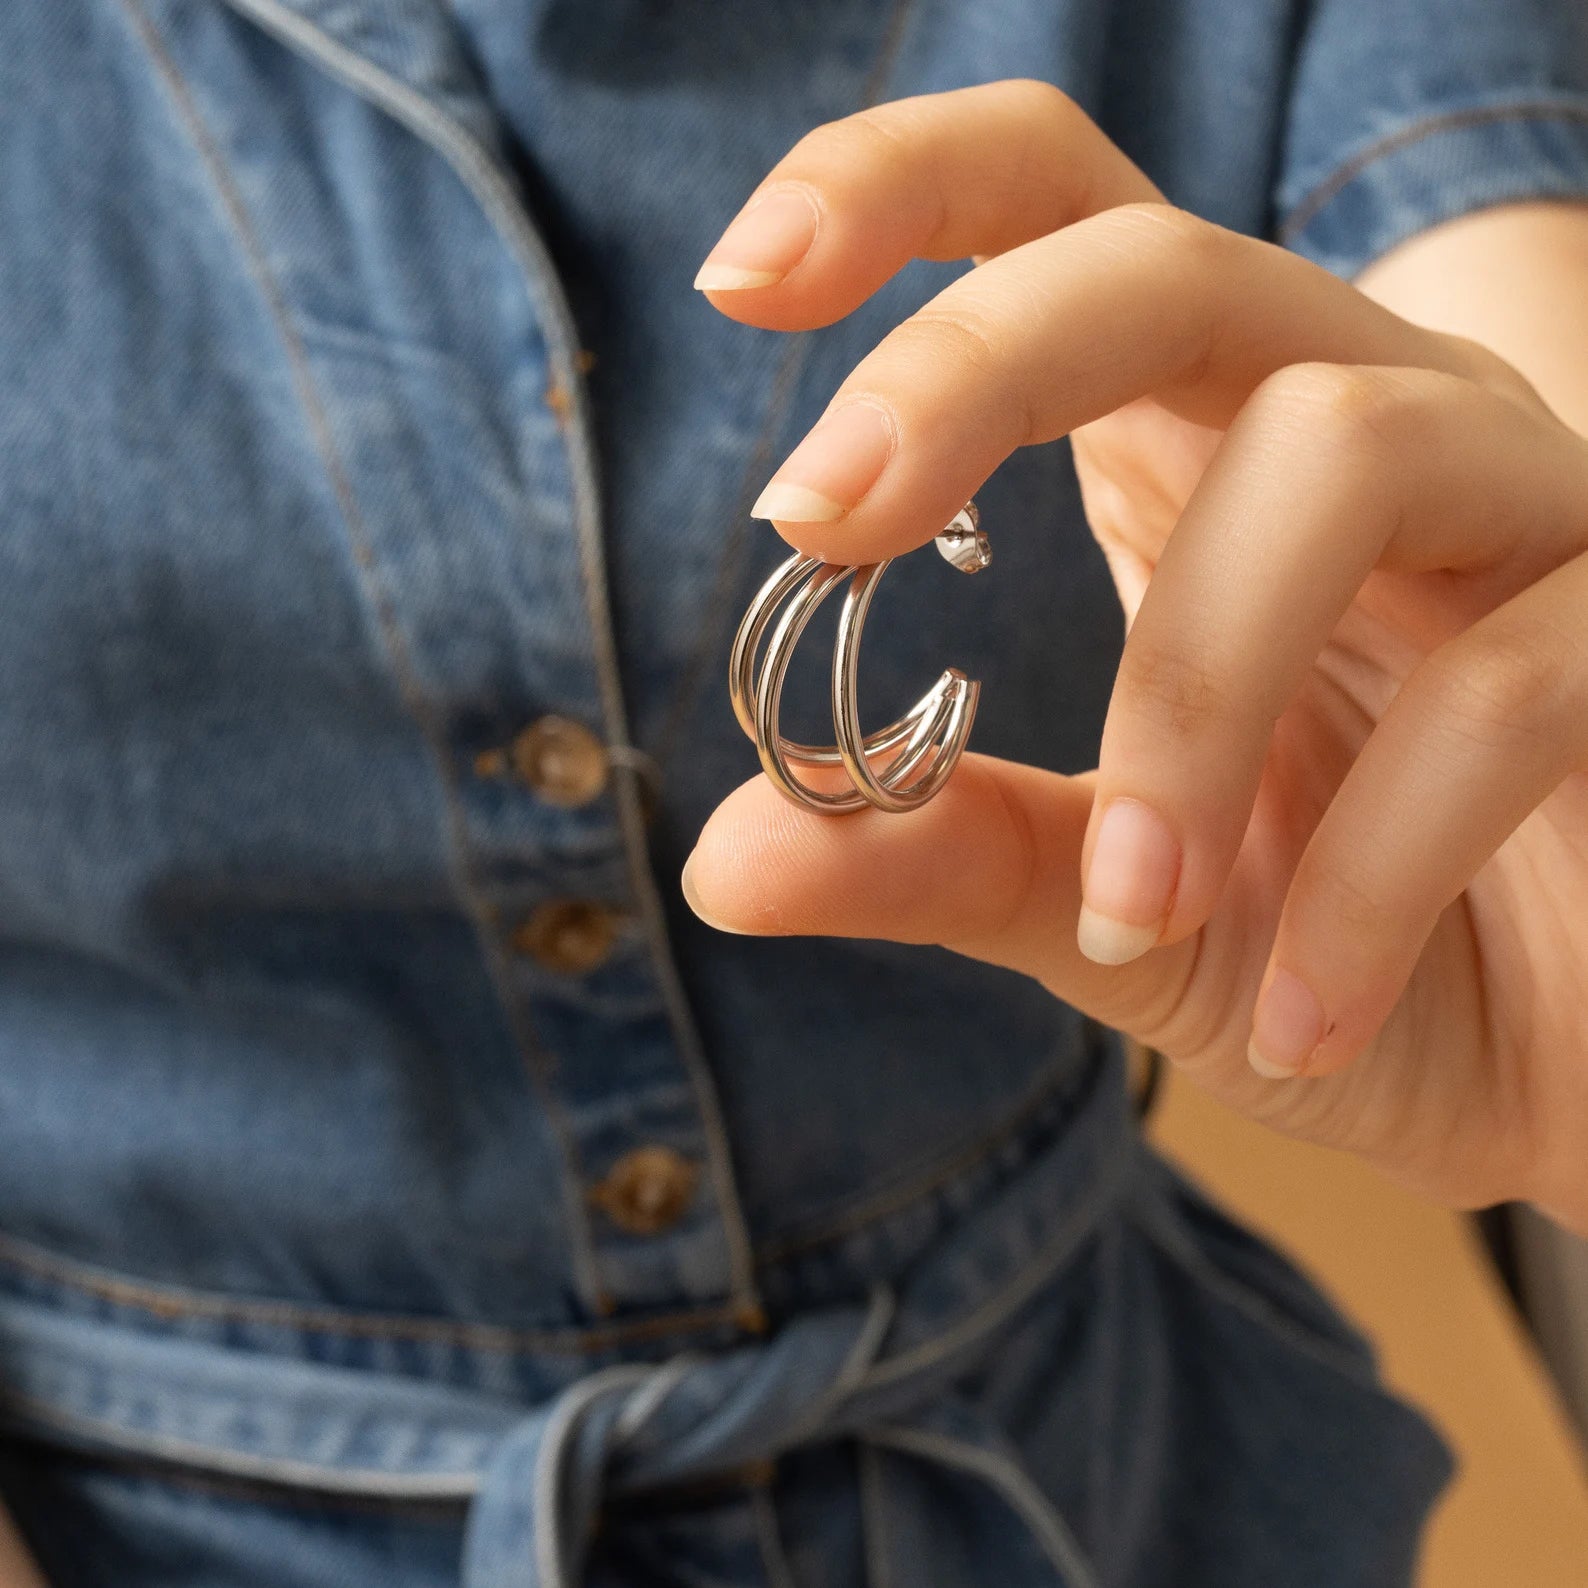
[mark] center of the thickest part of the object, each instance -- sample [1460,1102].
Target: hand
[1339,826]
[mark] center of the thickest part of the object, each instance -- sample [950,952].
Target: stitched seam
[1066,1241]
[199,1483]
[412,692]
[1307,209]
[174,1301]
[716,606]
[167,1302]
[270,1469]
[1008,1479]
[480,174]
[1105,1386]
[629,795]
[1157,1225]
[904,1195]
[736,1231]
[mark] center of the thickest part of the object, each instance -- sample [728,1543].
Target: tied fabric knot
[941,1492]
[635,1428]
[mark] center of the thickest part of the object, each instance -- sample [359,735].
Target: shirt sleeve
[1406,113]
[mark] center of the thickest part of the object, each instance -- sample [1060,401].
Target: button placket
[647,1191]
[559,760]
[582,968]
[569,936]
[613,1048]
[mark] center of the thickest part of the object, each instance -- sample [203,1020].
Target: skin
[1433,878]
[1352,551]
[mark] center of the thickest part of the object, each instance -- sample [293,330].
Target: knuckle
[1042,100]
[947,355]
[1174,252]
[955,337]
[870,139]
[1181,694]
[887,132]
[1152,226]
[965,351]
[811,148]
[1349,899]
[884,149]
[1499,687]
[1351,409]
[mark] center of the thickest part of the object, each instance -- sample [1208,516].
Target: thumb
[990,868]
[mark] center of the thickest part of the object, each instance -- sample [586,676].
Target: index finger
[939,176]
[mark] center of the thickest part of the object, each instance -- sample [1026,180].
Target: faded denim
[310,497]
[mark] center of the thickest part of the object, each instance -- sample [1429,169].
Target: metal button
[568,935]
[561,760]
[647,1190]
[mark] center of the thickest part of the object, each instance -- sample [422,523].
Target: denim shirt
[376,1124]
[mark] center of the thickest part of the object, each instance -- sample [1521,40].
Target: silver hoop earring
[926,741]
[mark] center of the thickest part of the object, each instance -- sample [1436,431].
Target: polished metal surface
[560,760]
[570,936]
[897,768]
[964,542]
[648,1190]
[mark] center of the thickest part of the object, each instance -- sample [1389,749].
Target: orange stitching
[171,1302]
[937,1177]
[1308,208]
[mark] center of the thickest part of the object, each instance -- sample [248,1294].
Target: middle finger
[1143,300]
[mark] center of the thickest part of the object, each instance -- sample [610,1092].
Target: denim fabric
[311,498]
[1018,1407]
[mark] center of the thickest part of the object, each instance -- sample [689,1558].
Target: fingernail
[832,468]
[686,884]
[1287,1025]
[1129,884]
[763,244]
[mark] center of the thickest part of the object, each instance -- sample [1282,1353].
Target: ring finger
[1328,473]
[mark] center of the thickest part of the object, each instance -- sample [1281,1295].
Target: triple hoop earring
[927,740]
